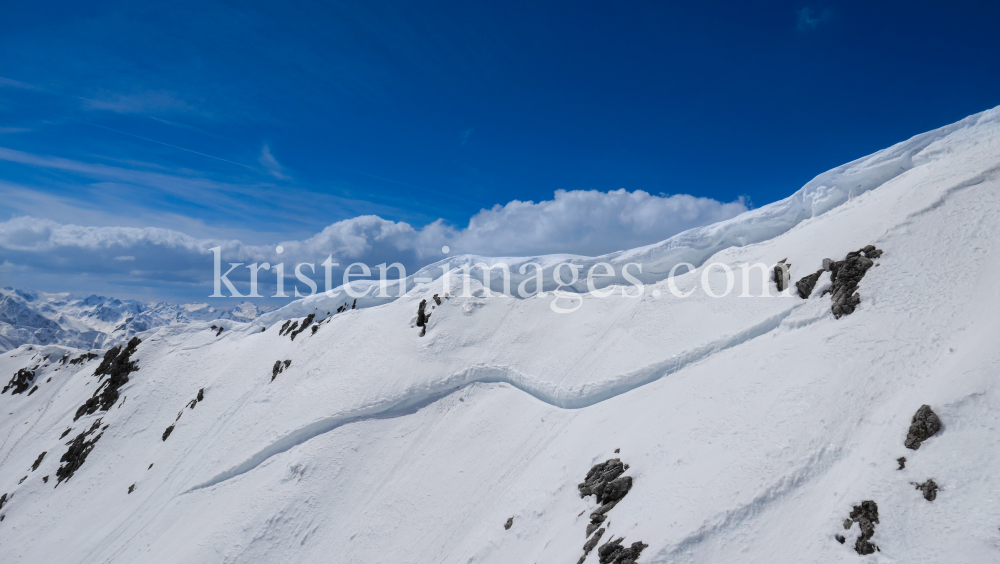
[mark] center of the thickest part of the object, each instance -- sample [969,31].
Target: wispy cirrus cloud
[809,19]
[145,102]
[270,163]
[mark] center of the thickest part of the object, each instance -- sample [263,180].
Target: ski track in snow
[588,396]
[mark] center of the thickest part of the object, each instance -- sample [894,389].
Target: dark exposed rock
[612,552]
[201,395]
[305,323]
[508,524]
[45,479]
[21,481]
[807,283]
[64,433]
[3,500]
[284,327]
[591,543]
[315,328]
[20,382]
[166,433]
[617,450]
[930,489]
[866,516]
[33,390]
[117,365]
[437,299]
[848,523]
[85,358]
[902,462]
[221,329]
[131,488]
[422,317]
[38,461]
[79,448]
[603,482]
[782,275]
[592,527]
[279,367]
[840,538]
[355,304]
[150,466]
[846,275]
[924,425]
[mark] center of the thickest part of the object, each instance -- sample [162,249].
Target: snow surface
[751,425]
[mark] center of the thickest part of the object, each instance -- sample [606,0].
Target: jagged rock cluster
[930,489]
[845,276]
[806,284]
[866,516]
[20,382]
[924,425]
[606,482]
[612,552]
[84,358]
[279,367]
[117,365]
[79,449]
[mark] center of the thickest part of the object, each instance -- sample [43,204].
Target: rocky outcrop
[279,367]
[782,276]
[929,488]
[846,275]
[508,524]
[117,365]
[79,448]
[924,425]
[807,283]
[605,481]
[866,516]
[612,552]
[422,317]
[305,324]
[38,461]
[20,382]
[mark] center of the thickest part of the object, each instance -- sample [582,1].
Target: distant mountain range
[95,322]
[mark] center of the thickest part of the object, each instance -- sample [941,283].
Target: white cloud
[573,222]
[272,165]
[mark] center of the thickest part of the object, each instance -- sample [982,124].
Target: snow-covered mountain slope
[38,318]
[751,427]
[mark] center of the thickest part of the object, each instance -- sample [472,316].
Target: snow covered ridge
[526,276]
[855,421]
[94,322]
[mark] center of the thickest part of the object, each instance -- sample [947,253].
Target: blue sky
[270,122]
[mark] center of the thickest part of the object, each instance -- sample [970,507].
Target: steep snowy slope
[751,427]
[38,318]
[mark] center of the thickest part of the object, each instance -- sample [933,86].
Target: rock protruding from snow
[117,365]
[603,475]
[279,367]
[612,552]
[866,516]
[782,276]
[807,283]
[846,275]
[508,524]
[422,317]
[79,449]
[924,425]
[930,489]
[20,382]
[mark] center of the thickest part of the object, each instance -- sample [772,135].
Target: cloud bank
[179,266]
